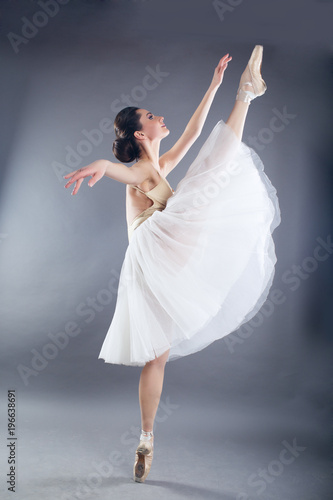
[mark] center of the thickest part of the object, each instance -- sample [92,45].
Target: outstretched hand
[95,169]
[219,71]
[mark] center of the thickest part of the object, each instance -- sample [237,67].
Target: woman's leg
[237,117]
[150,390]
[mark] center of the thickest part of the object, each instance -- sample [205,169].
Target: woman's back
[142,203]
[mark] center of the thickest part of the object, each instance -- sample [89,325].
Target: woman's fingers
[223,64]
[79,176]
[225,60]
[77,186]
[96,177]
[73,179]
[71,173]
[68,183]
[76,175]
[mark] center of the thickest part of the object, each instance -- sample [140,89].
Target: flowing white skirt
[208,254]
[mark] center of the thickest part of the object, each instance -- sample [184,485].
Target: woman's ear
[139,135]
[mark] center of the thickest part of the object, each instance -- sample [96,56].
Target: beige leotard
[159,195]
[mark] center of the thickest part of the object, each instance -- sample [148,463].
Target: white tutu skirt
[208,254]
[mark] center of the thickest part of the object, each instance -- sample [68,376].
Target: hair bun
[125,150]
[125,147]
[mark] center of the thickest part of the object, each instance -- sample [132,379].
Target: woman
[203,248]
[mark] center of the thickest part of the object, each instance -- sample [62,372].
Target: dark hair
[125,146]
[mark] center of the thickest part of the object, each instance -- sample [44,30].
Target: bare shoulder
[148,175]
[143,166]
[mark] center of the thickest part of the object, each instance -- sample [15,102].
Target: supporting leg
[150,390]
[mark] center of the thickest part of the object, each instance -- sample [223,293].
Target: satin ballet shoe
[143,459]
[252,76]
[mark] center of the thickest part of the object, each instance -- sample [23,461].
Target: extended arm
[194,127]
[97,169]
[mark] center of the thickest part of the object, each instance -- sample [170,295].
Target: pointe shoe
[252,76]
[143,459]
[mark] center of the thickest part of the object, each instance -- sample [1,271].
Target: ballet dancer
[171,236]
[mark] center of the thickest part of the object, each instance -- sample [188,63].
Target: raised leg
[237,117]
[150,390]
[251,85]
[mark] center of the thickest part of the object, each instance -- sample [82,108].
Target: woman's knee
[160,360]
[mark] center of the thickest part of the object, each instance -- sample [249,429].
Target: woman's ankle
[146,435]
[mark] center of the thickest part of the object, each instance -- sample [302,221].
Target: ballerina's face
[153,126]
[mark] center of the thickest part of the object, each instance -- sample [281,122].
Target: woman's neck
[151,153]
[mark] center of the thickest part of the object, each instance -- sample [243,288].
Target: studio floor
[84,448]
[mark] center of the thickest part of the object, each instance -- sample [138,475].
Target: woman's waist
[145,214]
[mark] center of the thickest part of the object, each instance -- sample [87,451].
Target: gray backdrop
[249,416]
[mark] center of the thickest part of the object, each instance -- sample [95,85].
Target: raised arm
[193,129]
